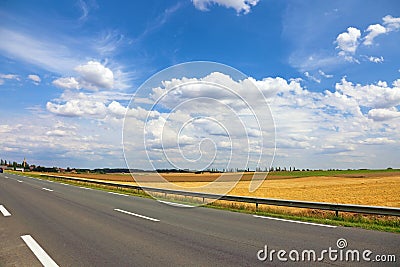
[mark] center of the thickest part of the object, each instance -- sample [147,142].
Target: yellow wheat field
[381,189]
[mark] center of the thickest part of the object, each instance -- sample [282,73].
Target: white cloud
[373,31]
[117,109]
[47,54]
[57,141]
[241,6]
[356,121]
[57,132]
[96,105]
[84,9]
[372,96]
[78,108]
[94,74]
[378,141]
[311,52]
[310,77]
[308,124]
[324,74]
[35,78]
[348,41]
[67,83]
[108,42]
[191,114]
[9,76]
[391,23]
[383,114]
[375,59]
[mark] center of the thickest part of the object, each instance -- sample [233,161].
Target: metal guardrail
[389,211]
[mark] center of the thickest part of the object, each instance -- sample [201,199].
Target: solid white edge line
[118,194]
[137,215]
[4,211]
[42,256]
[47,189]
[175,204]
[300,222]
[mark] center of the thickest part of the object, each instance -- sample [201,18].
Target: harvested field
[364,188]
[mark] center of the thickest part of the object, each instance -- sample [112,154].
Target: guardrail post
[337,213]
[256,206]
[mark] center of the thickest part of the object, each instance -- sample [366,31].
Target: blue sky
[329,70]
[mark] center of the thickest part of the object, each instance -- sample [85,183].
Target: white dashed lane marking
[47,189]
[137,215]
[42,256]
[4,211]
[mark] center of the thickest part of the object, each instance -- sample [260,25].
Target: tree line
[14,164]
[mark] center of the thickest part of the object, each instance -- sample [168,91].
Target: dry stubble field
[369,188]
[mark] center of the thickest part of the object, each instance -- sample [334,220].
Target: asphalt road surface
[48,223]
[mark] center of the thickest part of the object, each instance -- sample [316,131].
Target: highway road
[53,224]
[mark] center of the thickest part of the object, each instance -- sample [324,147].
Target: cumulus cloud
[117,109]
[95,105]
[60,141]
[373,31]
[348,41]
[77,108]
[95,75]
[383,114]
[312,125]
[34,78]
[241,6]
[92,75]
[372,96]
[396,83]
[196,118]
[391,23]
[67,83]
